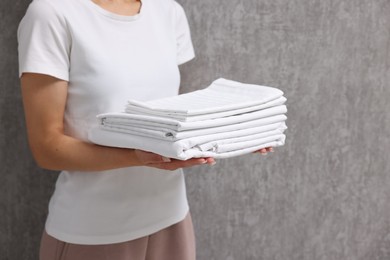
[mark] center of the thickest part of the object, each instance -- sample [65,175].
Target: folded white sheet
[193,118]
[222,95]
[202,140]
[173,135]
[205,146]
[156,123]
[234,143]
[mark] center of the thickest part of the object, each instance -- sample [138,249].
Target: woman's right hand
[161,162]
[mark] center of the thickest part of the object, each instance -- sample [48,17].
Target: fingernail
[213,163]
[271,150]
[166,159]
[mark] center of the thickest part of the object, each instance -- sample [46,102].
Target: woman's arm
[44,99]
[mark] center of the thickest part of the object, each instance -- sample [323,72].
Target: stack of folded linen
[226,119]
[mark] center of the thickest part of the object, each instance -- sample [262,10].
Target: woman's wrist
[135,160]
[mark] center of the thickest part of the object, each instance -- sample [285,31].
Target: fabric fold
[221,95]
[152,122]
[183,149]
[193,118]
[172,135]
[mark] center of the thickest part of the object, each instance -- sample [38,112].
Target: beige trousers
[176,242]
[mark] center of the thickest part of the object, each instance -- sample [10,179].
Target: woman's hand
[264,151]
[158,161]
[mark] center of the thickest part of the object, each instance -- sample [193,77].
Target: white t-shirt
[108,59]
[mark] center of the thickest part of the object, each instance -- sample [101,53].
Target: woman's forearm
[67,153]
[63,152]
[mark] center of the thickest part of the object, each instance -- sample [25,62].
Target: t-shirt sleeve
[44,42]
[185,49]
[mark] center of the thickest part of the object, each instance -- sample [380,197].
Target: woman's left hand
[264,151]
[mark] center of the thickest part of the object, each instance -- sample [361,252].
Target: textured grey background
[325,195]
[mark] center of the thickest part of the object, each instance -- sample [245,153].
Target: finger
[189,161]
[196,161]
[211,161]
[263,151]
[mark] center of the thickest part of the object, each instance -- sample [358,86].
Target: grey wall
[325,195]
[24,189]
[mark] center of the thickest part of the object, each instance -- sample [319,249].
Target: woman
[79,58]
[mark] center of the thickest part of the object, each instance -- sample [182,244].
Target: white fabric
[221,96]
[221,145]
[236,143]
[172,135]
[194,118]
[156,123]
[201,117]
[108,58]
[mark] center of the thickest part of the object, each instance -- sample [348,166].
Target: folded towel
[222,95]
[192,118]
[217,146]
[153,122]
[235,143]
[199,141]
[172,135]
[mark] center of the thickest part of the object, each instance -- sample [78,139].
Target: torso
[115,57]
